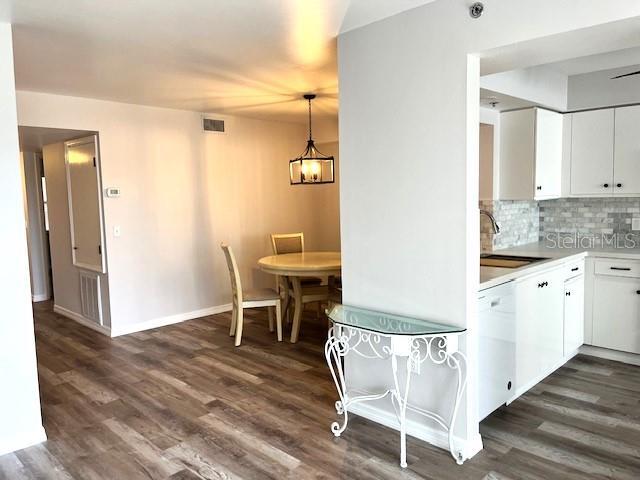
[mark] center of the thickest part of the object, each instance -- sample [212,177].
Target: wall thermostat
[112,192]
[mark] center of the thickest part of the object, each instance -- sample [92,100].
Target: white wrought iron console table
[411,340]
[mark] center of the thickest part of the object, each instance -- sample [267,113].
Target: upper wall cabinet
[592,153]
[626,159]
[605,152]
[530,154]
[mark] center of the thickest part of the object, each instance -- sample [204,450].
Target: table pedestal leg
[297,313]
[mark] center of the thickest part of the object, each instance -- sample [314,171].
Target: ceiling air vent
[211,125]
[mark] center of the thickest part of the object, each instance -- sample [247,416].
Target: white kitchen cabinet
[530,154]
[592,136]
[496,347]
[548,154]
[539,327]
[626,165]
[616,306]
[573,314]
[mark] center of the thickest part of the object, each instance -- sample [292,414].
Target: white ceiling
[596,63]
[247,57]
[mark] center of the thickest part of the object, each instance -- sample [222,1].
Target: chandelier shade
[312,166]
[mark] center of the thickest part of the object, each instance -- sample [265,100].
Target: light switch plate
[635,224]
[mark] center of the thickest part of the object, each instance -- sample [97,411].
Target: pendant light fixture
[312,167]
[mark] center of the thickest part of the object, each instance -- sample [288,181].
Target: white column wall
[20,419]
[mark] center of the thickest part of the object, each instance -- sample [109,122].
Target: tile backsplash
[519,222]
[529,221]
[588,216]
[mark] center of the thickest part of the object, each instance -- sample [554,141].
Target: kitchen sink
[507,261]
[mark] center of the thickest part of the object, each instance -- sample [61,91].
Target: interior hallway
[181,402]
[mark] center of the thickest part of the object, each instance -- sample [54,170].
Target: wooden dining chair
[265,297]
[283,243]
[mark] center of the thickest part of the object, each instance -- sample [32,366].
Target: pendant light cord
[310,120]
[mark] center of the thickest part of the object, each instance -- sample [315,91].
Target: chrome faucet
[494,224]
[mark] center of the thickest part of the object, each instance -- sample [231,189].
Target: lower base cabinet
[616,312]
[573,315]
[539,327]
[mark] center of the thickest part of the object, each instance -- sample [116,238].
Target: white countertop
[492,276]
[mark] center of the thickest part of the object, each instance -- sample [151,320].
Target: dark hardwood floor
[181,402]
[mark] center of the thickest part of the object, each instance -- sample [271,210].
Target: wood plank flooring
[181,402]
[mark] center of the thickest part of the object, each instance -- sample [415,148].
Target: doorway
[64,214]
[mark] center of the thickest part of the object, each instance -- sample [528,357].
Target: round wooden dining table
[294,266]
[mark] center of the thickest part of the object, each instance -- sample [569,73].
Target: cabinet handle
[567,294]
[509,385]
[574,269]
[539,187]
[606,185]
[543,284]
[619,185]
[638,292]
[623,269]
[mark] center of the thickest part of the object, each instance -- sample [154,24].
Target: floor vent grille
[90,296]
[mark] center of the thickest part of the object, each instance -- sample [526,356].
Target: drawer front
[618,268]
[574,269]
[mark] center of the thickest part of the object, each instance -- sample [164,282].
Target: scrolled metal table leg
[334,349]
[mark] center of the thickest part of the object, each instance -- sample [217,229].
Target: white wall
[183,192]
[490,167]
[20,420]
[596,89]
[36,233]
[541,85]
[409,163]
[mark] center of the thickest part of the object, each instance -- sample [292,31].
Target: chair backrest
[287,243]
[234,274]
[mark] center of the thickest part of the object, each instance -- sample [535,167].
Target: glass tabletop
[386,323]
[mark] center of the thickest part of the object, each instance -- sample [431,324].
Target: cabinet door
[592,153]
[616,313]
[548,157]
[626,165]
[539,327]
[573,315]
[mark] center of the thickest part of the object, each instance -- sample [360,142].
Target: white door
[592,153]
[626,165]
[548,157]
[85,209]
[539,327]
[573,315]
[616,313]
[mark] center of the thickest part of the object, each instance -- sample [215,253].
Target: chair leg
[279,320]
[270,310]
[234,315]
[239,325]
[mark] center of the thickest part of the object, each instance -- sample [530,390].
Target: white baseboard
[625,357]
[40,297]
[170,320]
[419,430]
[24,440]
[81,320]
